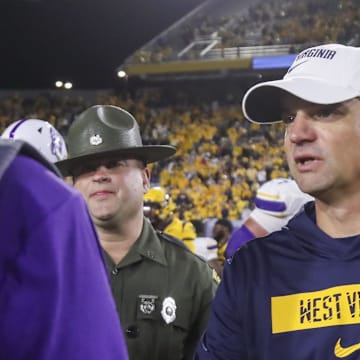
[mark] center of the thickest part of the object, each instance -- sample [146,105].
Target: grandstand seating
[221,159]
[232,29]
[220,156]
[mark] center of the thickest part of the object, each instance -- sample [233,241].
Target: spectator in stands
[270,23]
[222,231]
[55,296]
[207,248]
[276,202]
[213,183]
[291,295]
[162,290]
[162,212]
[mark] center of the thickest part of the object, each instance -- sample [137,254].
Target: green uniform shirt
[162,293]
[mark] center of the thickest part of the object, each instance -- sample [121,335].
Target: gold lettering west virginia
[339,305]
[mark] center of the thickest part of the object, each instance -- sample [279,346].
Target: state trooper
[162,290]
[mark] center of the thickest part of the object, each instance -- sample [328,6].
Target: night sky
[82,41]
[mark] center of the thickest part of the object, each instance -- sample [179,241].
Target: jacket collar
[147,246]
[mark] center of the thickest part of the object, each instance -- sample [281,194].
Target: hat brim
[147,153]
[263,102]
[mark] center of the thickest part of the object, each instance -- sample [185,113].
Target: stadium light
[121,74]
[63,85]
[68,85]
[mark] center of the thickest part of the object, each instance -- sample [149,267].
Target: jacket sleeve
[224,338]
[204,295]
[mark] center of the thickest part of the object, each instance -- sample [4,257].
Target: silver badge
[147,303]
[168,311]
[96,139]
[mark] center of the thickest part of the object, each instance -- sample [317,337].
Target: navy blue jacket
[294,294]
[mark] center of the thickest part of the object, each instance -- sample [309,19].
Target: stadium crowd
[276,22]
[290,22]
[220,161]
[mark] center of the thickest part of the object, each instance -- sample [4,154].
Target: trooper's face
[113,190]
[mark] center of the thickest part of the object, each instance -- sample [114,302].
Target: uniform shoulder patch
[172,239]
[179,243]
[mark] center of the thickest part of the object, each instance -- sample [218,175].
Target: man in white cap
[276,202]
[295,294]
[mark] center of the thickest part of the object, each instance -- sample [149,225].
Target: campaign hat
[107,131]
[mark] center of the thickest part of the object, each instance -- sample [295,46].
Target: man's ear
[146,179]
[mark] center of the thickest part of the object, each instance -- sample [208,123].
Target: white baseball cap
[277,201]
[325,74]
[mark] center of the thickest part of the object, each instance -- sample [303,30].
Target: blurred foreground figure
[50,310]
[276,202]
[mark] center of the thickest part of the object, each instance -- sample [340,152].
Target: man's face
[220,233]
[322,146]
[113,189]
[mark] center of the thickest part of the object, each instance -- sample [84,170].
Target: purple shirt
[55,298]
[238,238]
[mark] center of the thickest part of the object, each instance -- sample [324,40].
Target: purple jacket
[55,298]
